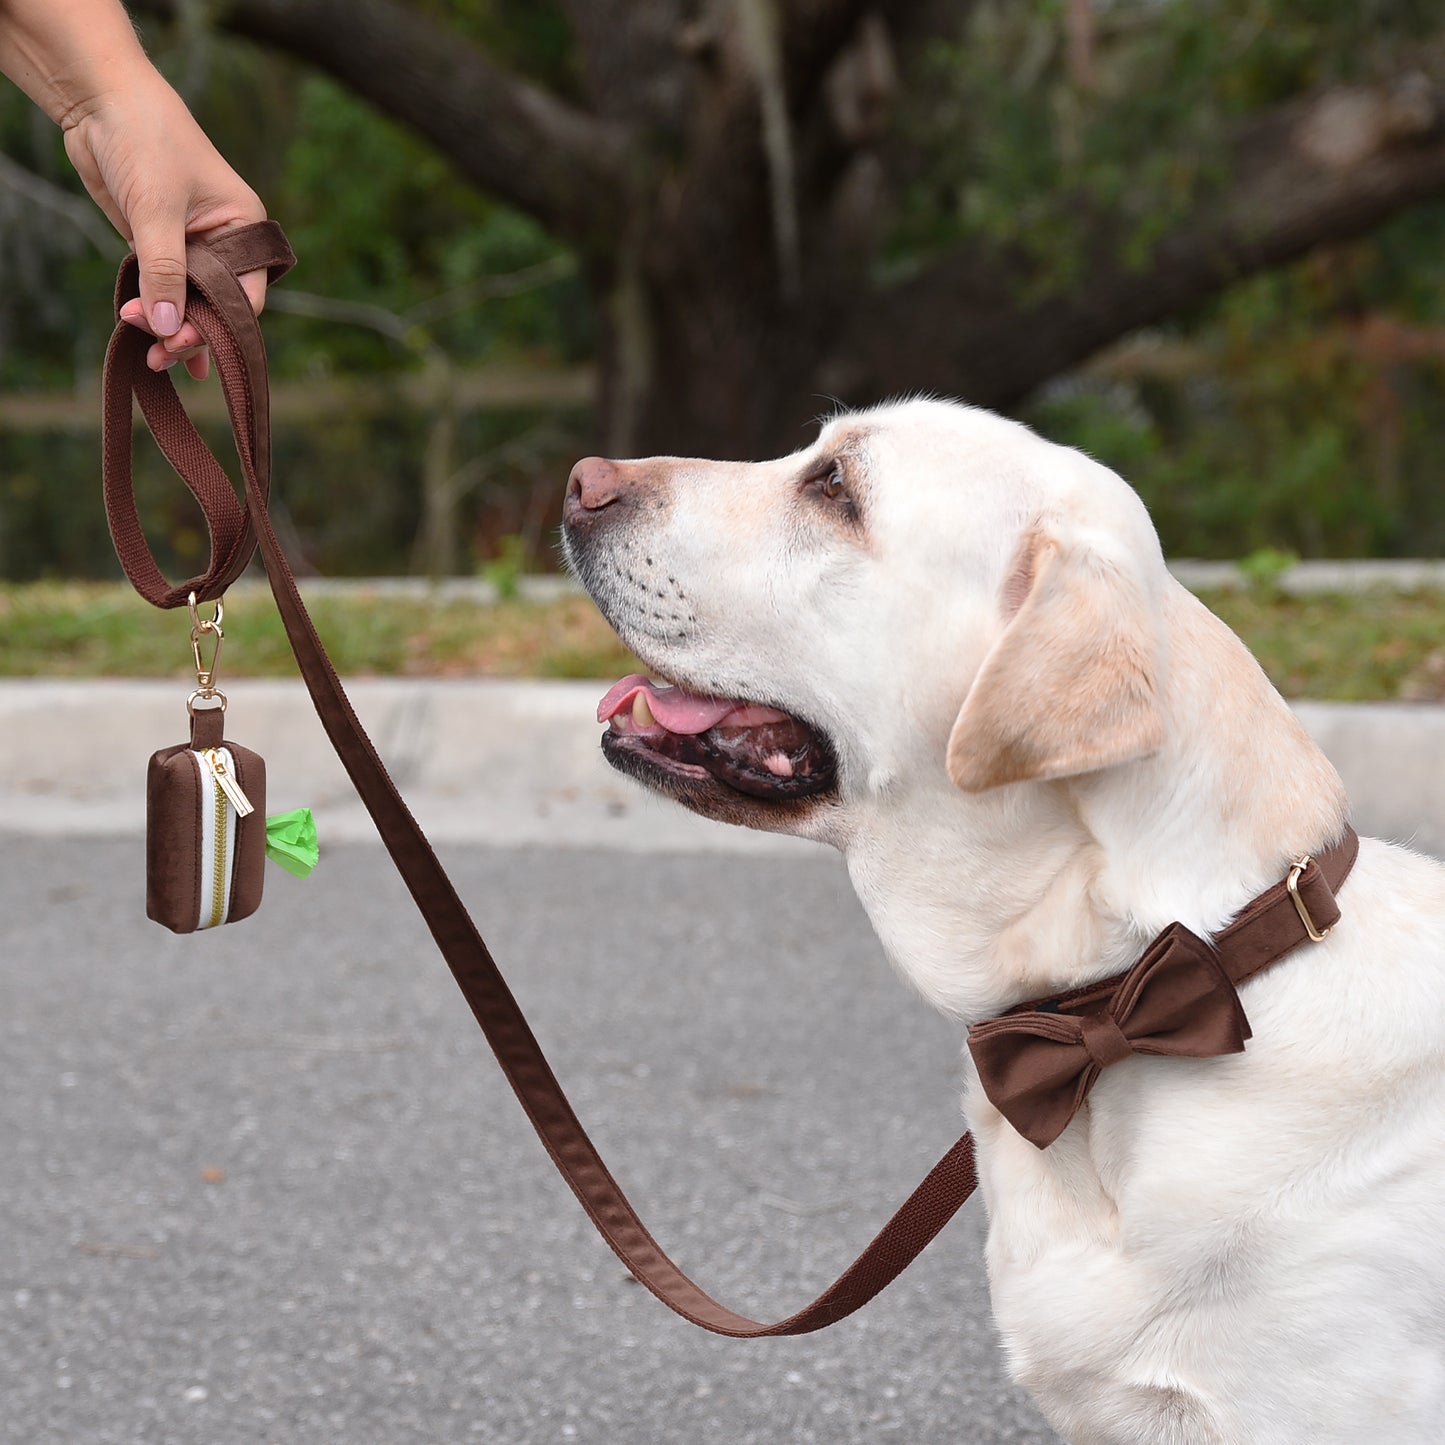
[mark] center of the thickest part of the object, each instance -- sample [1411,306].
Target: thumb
[160,247]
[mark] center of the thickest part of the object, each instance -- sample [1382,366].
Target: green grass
[75,629]
[1378,644]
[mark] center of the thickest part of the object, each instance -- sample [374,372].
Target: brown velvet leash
[222,314]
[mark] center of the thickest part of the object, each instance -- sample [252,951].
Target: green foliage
[1283,430]
[1301,411]
[505,570]
[1013,147]
[531,37]
[377,217]
[1265,569]
[395,227]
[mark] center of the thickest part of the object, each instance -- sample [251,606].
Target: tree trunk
[738,394]
[726,292]
[708,360]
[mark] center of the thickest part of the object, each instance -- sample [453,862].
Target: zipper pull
[227,784]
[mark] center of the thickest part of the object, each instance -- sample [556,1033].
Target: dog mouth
[676,739]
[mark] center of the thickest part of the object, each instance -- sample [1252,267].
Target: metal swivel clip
[201,628]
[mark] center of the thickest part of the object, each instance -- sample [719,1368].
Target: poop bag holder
[205,828]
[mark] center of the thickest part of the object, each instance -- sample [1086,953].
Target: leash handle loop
[221,312]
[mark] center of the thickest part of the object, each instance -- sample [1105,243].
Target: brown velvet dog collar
[1038,1061]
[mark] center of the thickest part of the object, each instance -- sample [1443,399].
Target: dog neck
[1035,888]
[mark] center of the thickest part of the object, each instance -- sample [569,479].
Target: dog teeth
[641,712]
[780,765]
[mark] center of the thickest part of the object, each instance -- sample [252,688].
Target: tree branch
[76,210]
[632,57]
[510,137]
[1314,172]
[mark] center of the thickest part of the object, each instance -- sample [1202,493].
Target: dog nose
[595,483]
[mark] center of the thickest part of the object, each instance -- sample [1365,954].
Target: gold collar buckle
[1292,884]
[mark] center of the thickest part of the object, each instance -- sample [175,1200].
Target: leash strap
[221,312]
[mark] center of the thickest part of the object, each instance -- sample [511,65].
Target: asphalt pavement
[266,1185]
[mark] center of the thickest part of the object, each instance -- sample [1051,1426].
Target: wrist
[68,56]
[102,83]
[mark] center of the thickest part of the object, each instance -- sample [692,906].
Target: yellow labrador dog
[952,650]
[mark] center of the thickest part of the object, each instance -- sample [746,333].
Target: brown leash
[1063,1042]
[222,314]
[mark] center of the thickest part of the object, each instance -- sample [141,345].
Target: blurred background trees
[1203,240]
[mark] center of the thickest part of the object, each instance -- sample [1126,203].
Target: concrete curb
[1306,577]
[517,762]
[479,761]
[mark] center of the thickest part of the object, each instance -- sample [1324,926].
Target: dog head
[928,595]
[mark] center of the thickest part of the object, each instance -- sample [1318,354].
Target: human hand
[155,174]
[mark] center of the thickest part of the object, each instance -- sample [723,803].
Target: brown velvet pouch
[205,853]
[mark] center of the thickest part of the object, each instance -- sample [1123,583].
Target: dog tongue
[684,712]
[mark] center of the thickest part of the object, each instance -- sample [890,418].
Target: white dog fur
[1048,751]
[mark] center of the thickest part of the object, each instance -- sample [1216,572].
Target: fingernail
[167,366]
[166,319]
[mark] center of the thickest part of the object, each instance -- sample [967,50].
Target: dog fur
[1048,751]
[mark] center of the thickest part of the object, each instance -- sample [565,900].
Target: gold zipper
[228,785]
[218,860]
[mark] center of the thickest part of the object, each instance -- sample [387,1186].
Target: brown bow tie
[1037,1063]
[1038,1067]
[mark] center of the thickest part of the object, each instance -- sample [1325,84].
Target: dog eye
[828,481]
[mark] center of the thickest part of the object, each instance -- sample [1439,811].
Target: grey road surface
[267,1185]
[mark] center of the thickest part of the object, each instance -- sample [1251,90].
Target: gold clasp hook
[206,624]
[201,627]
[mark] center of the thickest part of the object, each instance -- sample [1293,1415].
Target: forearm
[68,55]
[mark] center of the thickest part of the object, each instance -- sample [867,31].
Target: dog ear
[1071,685]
